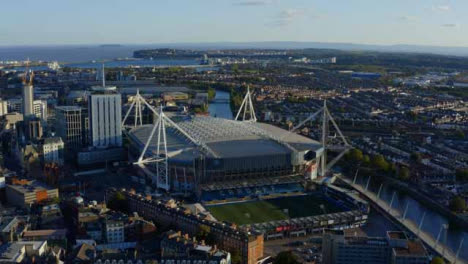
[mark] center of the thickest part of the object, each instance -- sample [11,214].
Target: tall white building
[28,98]
[105,117]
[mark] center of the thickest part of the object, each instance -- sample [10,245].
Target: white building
[15,105]
[53,150]
[105,117]
[39,107]
[28,97]
[115,231]
[3,107]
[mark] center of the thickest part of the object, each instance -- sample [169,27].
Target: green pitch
[271,210]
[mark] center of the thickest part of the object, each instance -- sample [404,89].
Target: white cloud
[286,17]
[450,25]
[408,18]
[255,2]
[442,8]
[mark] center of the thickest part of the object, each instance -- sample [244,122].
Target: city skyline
[435,22]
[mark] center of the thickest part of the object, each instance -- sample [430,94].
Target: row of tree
[379,163]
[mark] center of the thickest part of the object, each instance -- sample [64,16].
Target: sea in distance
[88,56]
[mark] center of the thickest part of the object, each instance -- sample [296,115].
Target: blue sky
[426,22]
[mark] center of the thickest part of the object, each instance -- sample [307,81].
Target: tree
[416,157]
[285,257]
[437,260]
[379,162]
[366,160]
[235,68]
[118,202]
[404,174]
[236,257]
[460,134]
[457,204]
[211,93]
[204,233]
[462,175]
[356,155]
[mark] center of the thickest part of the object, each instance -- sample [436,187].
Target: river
[220,106]
[432,221]
[377,223]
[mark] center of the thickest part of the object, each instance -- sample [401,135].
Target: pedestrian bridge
[398,216]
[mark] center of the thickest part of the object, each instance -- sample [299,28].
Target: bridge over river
[400,218]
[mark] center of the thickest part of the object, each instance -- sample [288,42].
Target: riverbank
[429,202]
[401,218]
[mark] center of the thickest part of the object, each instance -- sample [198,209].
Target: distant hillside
[456,51]
[389,60]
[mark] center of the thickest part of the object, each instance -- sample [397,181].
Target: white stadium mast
[162,172]
[161,156]
[138,117]
[247,108]
[343,146]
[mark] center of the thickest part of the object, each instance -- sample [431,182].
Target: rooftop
[68,108]
[103,88]
[396,235]
[227,138]
[10,251]
[45,232]
[53,140]
[29,186]
[415,248]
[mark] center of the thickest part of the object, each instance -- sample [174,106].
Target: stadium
[246,173]
[294,214]
[209,152]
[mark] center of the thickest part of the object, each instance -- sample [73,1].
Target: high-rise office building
[105,117]
[69,126]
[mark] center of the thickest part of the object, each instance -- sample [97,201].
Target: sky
[387,22]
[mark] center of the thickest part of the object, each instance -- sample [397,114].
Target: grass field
[269,210]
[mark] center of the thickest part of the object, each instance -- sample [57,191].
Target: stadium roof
[227,138]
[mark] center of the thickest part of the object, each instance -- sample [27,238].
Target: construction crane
[27,80]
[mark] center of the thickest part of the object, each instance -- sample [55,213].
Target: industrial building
[205,149]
